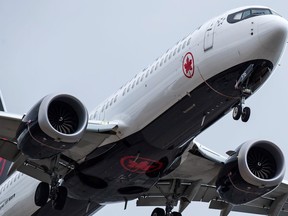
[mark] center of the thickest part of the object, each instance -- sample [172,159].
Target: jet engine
[252,170]
[56,123]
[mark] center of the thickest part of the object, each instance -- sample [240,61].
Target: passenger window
[156,66]
[162,61]
[189,40]
[166,58]
[170,55]
[138,80]
[174,52]
[147,73]
[184,45]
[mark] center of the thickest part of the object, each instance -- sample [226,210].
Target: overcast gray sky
[90,48]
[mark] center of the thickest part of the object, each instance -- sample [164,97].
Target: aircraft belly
[130,167]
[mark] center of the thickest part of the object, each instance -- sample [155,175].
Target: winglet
[2,105]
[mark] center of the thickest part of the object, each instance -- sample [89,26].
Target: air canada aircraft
[140,142]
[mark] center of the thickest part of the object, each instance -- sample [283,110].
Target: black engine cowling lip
[48,129]
[248,176]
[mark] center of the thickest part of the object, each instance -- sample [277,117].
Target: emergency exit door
[209,37]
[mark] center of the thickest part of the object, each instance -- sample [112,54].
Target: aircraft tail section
[4,168]
[2,105]
[4,164]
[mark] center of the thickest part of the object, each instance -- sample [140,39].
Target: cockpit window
[238,16]
[245,14]
[257,12]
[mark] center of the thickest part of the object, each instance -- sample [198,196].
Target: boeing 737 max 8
[139,143]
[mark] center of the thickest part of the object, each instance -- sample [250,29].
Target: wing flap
[274,203]
[9,150]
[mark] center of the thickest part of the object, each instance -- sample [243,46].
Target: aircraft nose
[273,34]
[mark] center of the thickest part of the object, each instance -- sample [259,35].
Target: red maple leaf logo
[188,65]
[140,165]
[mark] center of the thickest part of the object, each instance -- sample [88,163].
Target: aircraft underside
[139,143]
[127,169]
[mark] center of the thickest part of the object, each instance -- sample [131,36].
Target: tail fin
[4,168]
[2,105]
[4,164]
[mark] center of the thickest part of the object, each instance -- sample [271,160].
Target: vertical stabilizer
[4,168]
[2,105]
[4,164]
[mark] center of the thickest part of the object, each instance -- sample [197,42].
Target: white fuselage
[17,195]
[216,46]
[151,92]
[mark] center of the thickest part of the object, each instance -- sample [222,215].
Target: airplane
[140,142]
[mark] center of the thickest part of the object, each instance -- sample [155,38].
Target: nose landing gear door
[209,37]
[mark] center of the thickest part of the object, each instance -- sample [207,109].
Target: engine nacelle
[56,123]
[256,168]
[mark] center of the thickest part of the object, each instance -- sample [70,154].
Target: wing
[194,180]
[94,135]
[274,203]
